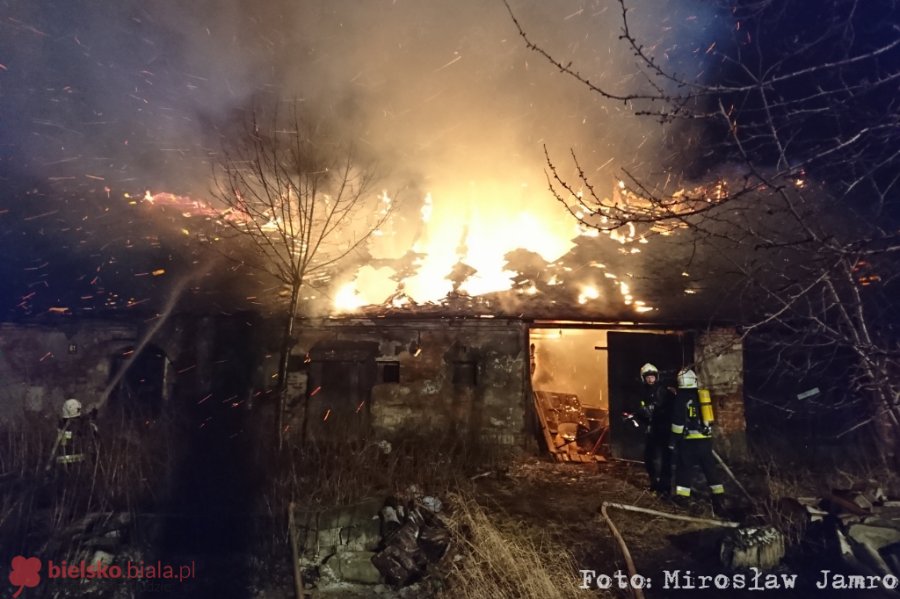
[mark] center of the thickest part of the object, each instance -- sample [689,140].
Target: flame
[588,292]
[347,298]
[461,244]
[376,282]
[458,242]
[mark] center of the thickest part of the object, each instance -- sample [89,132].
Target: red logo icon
[24,573]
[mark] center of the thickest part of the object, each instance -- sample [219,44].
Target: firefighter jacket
[656,409]
[74,440]
[687,422]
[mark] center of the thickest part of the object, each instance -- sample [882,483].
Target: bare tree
[303,200]
[798,185]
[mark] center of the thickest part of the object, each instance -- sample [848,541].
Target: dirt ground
[558,506]
[553,505]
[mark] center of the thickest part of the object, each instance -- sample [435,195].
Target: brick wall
[720,366]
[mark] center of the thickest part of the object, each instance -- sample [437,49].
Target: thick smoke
[101,99]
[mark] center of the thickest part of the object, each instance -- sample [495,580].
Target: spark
[455,60]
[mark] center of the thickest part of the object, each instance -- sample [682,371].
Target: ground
[226,523]
[559,504]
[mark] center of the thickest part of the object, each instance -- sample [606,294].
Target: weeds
[779,475]
[132,471]
[503,564]
[40,499]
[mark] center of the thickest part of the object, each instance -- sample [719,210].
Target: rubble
[862,526]
[375,544]
[760,547]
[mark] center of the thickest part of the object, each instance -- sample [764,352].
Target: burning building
[479,291]
[497,339]
[498,378]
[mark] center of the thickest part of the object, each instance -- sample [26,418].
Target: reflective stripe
[677,428]
[683,491]
[717,489]
[70,459]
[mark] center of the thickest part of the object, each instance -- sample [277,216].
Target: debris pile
[103,540]
[861,527]
[375,542]
[760,547]
[98,536]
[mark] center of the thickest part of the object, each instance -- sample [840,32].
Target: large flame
[463,238]
[459,243]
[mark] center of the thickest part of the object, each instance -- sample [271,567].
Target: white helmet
[649,368]
[71,408]
[687,379]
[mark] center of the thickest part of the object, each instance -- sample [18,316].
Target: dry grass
[340,474]
[499,564]
[133,467]
[126,471]
[492,562]
[776,476]
[318,475]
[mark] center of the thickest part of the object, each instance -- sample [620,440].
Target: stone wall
[457,377]
[43,364]
[720,366]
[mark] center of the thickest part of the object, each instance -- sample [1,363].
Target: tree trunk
[287,344]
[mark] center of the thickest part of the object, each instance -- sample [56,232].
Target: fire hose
[629,562]
[731,475]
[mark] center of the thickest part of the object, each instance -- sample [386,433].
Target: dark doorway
[627,353]
[341,377]
[140,394]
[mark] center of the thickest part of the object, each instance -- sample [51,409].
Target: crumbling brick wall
[720,365]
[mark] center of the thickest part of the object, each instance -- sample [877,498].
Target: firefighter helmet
[71,408]
[687,379]
[648,369]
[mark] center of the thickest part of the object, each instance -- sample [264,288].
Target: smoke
[443,94]
[445,91]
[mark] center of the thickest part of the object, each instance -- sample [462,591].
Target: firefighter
[656,414]
[75,435]
[691,441]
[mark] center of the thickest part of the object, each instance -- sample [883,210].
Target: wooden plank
[548,438]
[546,402]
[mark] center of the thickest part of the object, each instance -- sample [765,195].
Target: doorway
[140,394]
[591,377]
[341,377]
[568,380]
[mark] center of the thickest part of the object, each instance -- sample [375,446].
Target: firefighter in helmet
[655,413]
[691,440]
[75,434]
